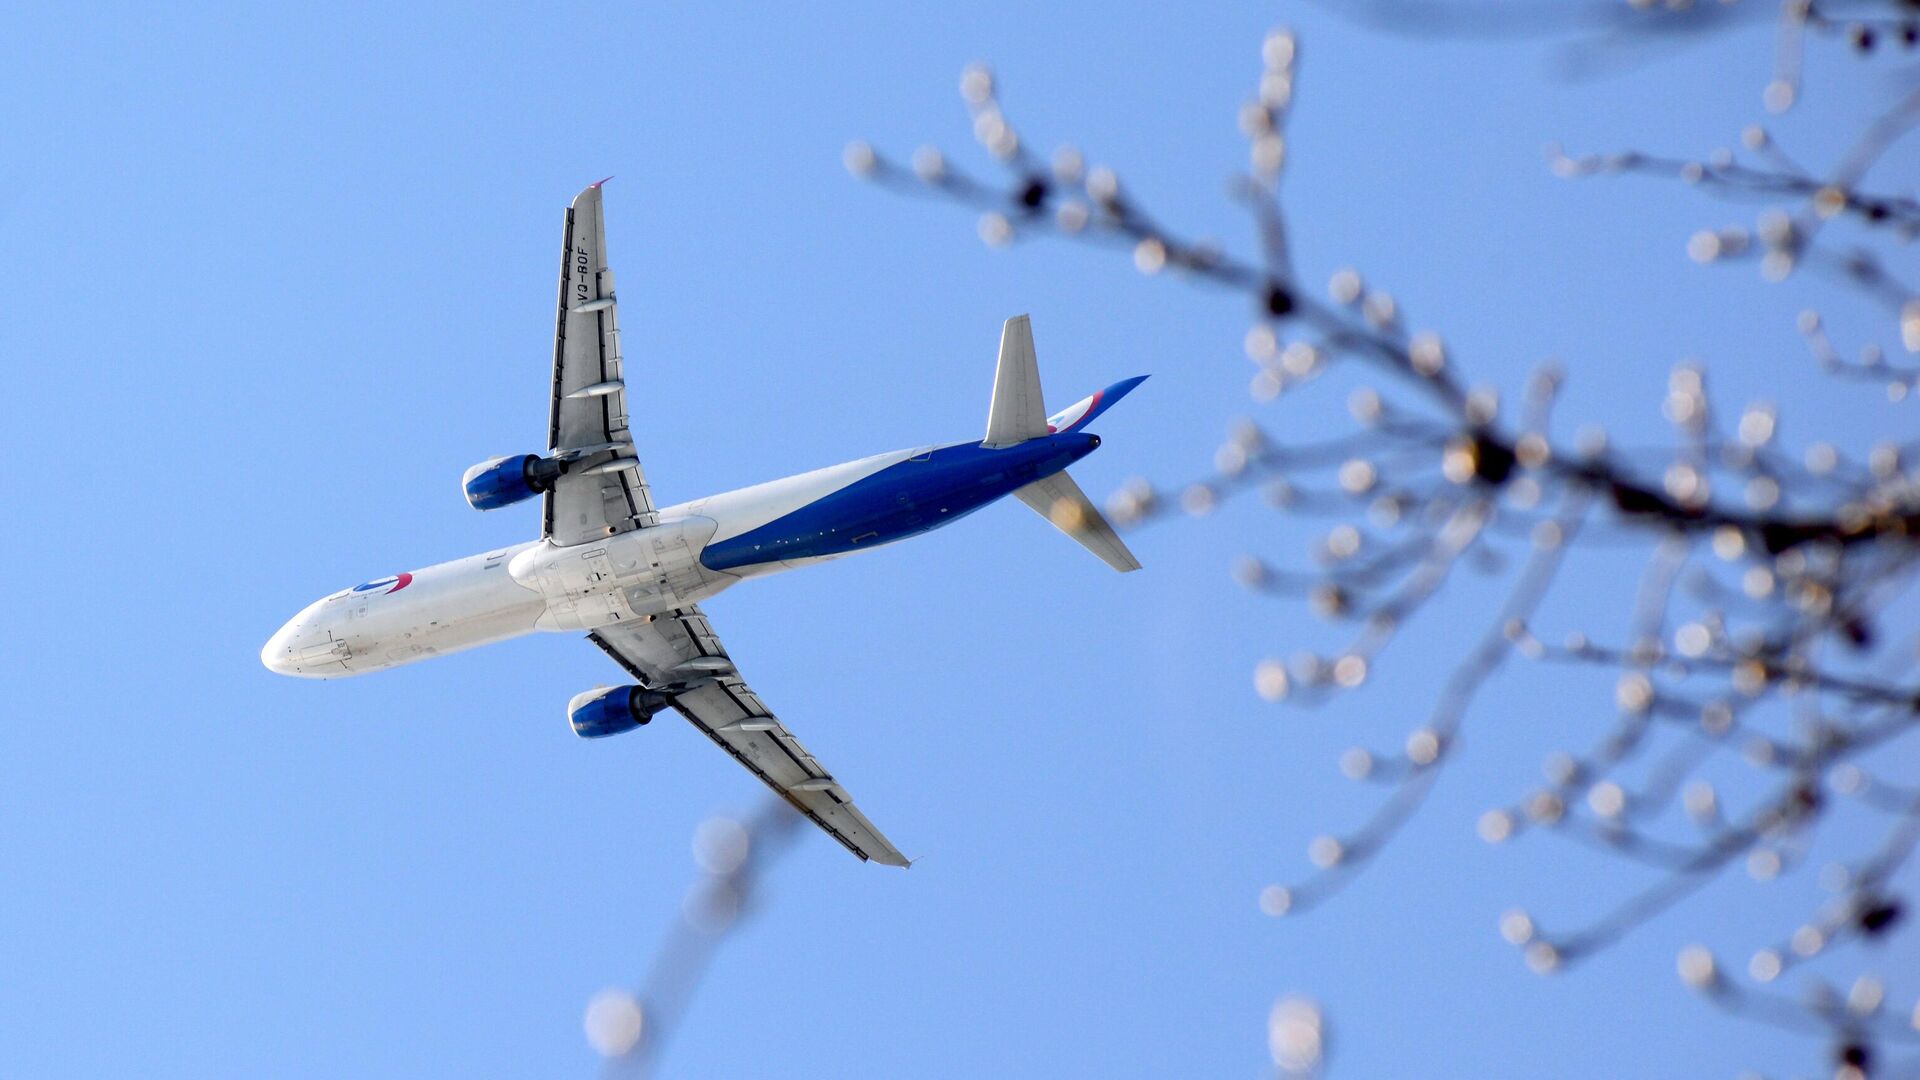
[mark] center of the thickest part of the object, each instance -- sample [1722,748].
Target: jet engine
[503,481]
[611,710]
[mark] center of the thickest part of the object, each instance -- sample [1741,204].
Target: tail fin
[1018,412]
[1058,499]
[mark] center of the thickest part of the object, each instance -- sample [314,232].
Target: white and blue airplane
[632,574]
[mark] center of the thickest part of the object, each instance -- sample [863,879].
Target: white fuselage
[693,551]
[534,586]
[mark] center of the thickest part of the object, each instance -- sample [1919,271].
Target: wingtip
[600,182]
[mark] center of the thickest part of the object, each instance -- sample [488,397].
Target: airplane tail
[1018,413]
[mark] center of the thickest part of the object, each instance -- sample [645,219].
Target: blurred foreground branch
[1768,666]
[631,1028]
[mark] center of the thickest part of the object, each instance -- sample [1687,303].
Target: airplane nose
[278,653]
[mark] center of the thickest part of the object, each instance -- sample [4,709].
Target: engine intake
[612,710]
[503,481]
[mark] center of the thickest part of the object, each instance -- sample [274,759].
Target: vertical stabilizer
[1018,412]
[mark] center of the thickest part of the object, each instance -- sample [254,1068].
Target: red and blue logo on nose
[388,585]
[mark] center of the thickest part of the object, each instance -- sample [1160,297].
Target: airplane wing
[679,648]
[603,491]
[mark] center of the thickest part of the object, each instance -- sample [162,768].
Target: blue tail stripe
[899,501]
[1104,399]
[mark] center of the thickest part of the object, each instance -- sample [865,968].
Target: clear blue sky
[272,281]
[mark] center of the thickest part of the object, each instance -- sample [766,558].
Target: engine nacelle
[611,710]
[503,481]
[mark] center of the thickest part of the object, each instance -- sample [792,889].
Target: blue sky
[276,279]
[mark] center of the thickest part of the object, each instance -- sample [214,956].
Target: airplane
[631,574]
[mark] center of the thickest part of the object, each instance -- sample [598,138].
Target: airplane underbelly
[661,569]
[639,573]
[444,609]
[862,527]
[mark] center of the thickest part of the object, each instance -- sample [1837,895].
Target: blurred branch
[631,1028]
[1761,618]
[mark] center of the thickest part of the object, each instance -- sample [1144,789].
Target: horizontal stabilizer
[1018,412]
[1058,499]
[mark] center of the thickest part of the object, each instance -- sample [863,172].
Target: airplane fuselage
[696,549]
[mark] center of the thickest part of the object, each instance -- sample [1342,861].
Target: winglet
[597,183]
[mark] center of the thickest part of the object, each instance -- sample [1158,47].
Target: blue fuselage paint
[902,500]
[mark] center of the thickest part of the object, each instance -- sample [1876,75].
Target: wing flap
[778,759]
[726,710]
